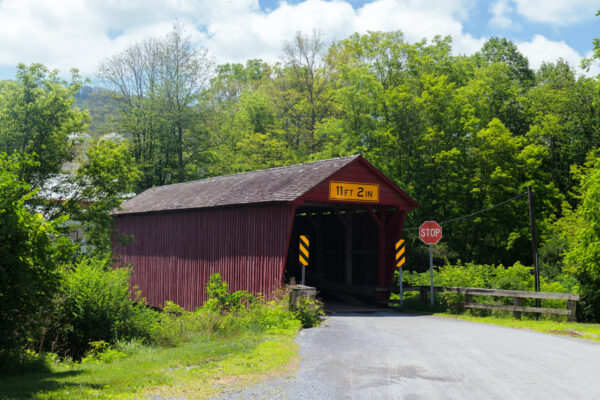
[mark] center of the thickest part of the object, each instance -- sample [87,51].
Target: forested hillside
[459,134]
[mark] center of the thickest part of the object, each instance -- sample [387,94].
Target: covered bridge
[246,227]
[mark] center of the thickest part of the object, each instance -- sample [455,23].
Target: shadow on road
[342,309]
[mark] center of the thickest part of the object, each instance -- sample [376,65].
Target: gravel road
[386,355]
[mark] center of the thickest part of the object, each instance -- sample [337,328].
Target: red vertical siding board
[174,254]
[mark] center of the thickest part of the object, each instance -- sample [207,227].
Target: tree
[232,79]
[159,83]
[37,115]
[105,179]
[302,89]
[562,111]
[243,116]
[502,50]
[583,255]
[31,252]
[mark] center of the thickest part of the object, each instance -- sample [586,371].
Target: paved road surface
[387,356]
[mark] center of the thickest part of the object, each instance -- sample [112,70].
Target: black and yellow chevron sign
[400,249]
[304,246]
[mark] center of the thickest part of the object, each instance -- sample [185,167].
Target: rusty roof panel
[282,184]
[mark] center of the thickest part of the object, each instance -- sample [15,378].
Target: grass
[561,327]
[576,329]
[196,369]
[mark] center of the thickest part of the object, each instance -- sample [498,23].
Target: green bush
[515,277]
[30,252]
[220,299]
[95,305]
[176,325]
[309,312]
[95,316]
[102,352]
[224,314]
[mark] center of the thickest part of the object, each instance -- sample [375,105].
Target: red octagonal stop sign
[430,232]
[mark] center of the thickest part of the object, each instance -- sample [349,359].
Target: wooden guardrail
[517,295]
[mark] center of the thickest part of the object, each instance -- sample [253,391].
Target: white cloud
[254,34]
[80,33]
[64,34]
[540,49]
[501,11]
[558,12]
[260,35]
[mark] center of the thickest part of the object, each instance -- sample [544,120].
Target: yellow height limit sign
[303,254]
[354,191]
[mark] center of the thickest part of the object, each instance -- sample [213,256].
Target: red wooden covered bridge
[246,227]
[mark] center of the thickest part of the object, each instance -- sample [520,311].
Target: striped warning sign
[400,249]
[304,246]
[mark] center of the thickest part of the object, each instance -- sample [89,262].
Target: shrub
[176,325]
[309,312]
[30,252]
[95,305]
[224,314]
[102,352]
[515,277]
[220,299]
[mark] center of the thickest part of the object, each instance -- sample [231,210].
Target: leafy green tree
[31,252]
[301,89]
[232,79]
[562,110]
[159,85]
[244,118]
[492,93]
[502,50]
[583,235]
[37,114]
[260,141]
[105,179]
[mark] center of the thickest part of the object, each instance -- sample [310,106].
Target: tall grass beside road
[233,339]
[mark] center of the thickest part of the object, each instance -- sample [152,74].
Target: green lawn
[196,369]
[575,329]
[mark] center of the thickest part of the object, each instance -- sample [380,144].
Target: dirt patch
[570,333]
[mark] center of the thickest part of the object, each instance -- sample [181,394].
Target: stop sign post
[430,232]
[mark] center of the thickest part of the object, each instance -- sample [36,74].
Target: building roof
[282,184]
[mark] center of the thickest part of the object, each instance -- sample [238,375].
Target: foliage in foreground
[131,370]
[94,312]
[94,304]
[30,251]
[583,254]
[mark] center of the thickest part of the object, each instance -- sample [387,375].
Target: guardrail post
[571,306]
[423,294]
[468,299]
[517,302]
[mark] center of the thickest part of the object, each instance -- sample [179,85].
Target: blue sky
[80,33]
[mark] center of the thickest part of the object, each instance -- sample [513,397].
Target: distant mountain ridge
[103,109]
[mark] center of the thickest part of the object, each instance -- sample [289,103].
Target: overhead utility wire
[475,213]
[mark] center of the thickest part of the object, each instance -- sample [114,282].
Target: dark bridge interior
[343,250]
